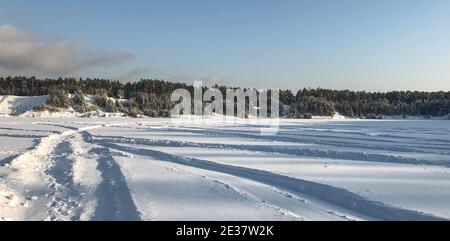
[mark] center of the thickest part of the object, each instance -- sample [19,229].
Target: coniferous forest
[152,98]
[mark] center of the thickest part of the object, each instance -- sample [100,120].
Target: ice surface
[158,169]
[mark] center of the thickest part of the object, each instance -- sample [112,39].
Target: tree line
[364,104]
[152,98]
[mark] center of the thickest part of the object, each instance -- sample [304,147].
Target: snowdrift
[23,106]
[17,105]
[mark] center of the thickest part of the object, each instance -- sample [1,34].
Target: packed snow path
[123,169]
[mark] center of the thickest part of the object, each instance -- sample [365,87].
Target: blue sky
[341,44]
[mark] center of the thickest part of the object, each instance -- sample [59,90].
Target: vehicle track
[115,202]
[293,151]
[332,195]
[48,168]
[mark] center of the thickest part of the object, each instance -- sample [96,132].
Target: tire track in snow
[115,202]
[328,194]
[294,151]
[42,176]
[243,194]
[64,194]
[34,130]
[335,141]
[7,160]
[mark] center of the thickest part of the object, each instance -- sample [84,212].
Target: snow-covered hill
[23,106]
[17,105]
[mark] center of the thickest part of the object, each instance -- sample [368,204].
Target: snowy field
[155,169]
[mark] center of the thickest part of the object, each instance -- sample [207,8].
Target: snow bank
[16,105]
[22,106]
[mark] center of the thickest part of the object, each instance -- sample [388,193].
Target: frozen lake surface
[158,169]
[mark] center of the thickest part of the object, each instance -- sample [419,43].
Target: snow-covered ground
[159,169]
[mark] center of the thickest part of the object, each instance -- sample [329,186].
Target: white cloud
[208,80]
[21,52]
[135,75]
[211,80]
[182,78]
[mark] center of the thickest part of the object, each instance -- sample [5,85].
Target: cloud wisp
[22,53]
[135,75]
